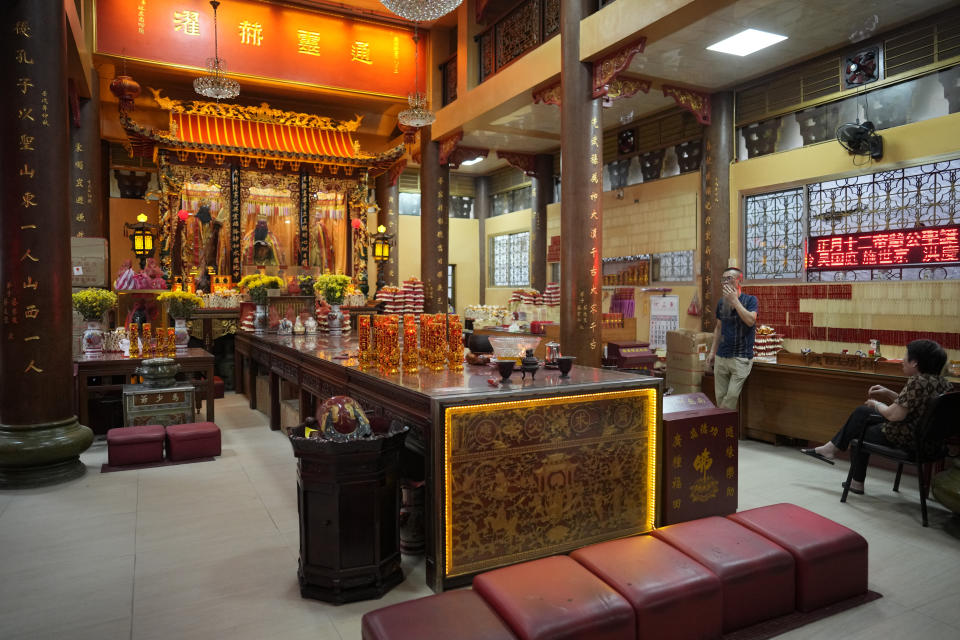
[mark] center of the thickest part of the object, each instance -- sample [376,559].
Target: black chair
[940,421]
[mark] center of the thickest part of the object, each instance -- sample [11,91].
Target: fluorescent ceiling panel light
[747,42]
[467,163]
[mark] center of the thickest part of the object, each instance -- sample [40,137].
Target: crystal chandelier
[215,84]
[421,10]
[417,115]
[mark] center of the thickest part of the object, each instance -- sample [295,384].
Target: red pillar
[40,439]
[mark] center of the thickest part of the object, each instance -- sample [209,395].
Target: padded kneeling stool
[193,440]
[217,387]
[135,445]
[831,559]
[556,599]
[455,614]
[673,596]
[757,575]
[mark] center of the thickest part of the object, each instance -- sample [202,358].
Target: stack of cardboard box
[686,356]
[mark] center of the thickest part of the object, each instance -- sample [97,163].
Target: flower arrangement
[181,303]
[332,286]
[306,284]
[257,285]
[93,303]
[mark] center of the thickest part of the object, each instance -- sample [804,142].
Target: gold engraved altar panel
[538,477]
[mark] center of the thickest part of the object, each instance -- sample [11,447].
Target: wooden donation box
[700,459]
[630,355]
[149,405]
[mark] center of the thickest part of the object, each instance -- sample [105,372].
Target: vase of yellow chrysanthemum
[92,304]
[258,285]
[181,304]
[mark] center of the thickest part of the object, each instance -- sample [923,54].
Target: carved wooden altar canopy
[227,146]
[257,133]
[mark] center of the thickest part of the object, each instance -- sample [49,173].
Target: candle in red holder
[454,343]
[411,349]
[363,338]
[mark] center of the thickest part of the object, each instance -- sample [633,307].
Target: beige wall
[919,306]
[508,223]
[464,252]
[653,217]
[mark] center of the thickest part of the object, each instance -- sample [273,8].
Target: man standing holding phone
[731,355]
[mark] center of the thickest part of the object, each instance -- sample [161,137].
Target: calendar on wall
[664,316]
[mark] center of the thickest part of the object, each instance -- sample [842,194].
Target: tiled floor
[209,550]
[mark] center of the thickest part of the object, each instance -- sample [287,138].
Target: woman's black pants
[862,416]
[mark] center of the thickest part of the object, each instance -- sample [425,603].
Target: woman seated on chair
[890,418]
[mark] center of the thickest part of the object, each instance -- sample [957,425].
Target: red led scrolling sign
[873,249]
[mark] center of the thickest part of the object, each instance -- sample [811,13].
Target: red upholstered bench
[556,599]
[135,445]
[193,440]
[831,560]
[672,595]
[455,614]
[757,575]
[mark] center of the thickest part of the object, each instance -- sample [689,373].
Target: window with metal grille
[672,266]
[511,260]
[774,233]
[778,224]
[461,207]
[513,200]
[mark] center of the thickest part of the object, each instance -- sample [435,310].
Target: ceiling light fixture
[746,42]
[417,115]
[421,10]
[467,163]
[215,84]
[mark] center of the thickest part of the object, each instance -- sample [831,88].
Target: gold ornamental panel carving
[538,477]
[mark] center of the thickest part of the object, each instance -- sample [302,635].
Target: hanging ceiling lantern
[417,115]
[421,10]
[126,89]
[215,84]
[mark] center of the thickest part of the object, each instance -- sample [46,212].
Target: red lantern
[356,223]
[126,89]
[183,214]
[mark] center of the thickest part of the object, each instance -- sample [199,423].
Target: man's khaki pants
[729,374]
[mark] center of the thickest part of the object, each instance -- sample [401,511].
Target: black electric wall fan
[860,139]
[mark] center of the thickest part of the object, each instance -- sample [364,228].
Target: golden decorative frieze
[695,102]
[262,113]
[606,69]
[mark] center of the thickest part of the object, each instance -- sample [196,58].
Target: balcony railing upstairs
[522,29]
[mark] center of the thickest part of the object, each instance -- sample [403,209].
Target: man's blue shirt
[736,338]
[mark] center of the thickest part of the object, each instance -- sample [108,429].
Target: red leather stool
[556,599]
[455,614]
[217,387]
[757,575]
[193,440]
[672,595]
[135,445]
[831,559]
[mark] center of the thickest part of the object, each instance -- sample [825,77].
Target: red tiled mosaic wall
[780,308]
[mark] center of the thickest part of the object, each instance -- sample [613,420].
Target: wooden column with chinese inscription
[86,186]
[543,195]
[388,199]
[580,195]
[434,181]
[40,439]
[717,155]
[481,206]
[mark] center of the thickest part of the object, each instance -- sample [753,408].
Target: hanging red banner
[263,40]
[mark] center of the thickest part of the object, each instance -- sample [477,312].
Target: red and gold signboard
[263,40]
[873,249]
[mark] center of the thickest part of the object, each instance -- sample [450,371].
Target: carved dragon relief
[262,113]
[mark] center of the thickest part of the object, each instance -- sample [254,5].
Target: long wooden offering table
[513,472]
[805,401]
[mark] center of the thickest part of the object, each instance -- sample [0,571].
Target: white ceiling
[813,27]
